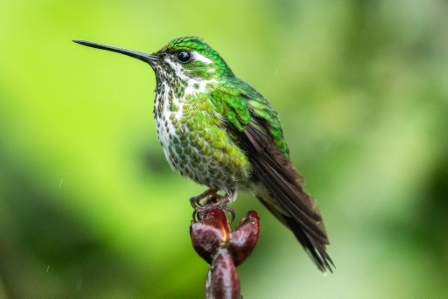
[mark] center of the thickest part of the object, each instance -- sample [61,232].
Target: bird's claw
[196,200]
[212,202]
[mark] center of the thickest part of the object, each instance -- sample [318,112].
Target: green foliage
[89,207]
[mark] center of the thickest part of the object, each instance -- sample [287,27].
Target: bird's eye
[184,56]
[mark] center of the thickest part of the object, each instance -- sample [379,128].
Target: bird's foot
[196,201]
[212,200]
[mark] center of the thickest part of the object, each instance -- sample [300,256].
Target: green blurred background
[90,209]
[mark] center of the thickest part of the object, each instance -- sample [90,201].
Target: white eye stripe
[179,69]
[202,58]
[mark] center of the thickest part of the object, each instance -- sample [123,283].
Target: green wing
[256,128]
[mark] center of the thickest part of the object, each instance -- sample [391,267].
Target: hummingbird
[220,132]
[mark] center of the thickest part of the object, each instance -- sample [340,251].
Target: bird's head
[182,59]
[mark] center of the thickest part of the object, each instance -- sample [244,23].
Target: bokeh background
[90,209]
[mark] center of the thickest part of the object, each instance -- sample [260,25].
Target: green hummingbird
[220,132]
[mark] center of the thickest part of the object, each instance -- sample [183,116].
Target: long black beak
[139,55]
